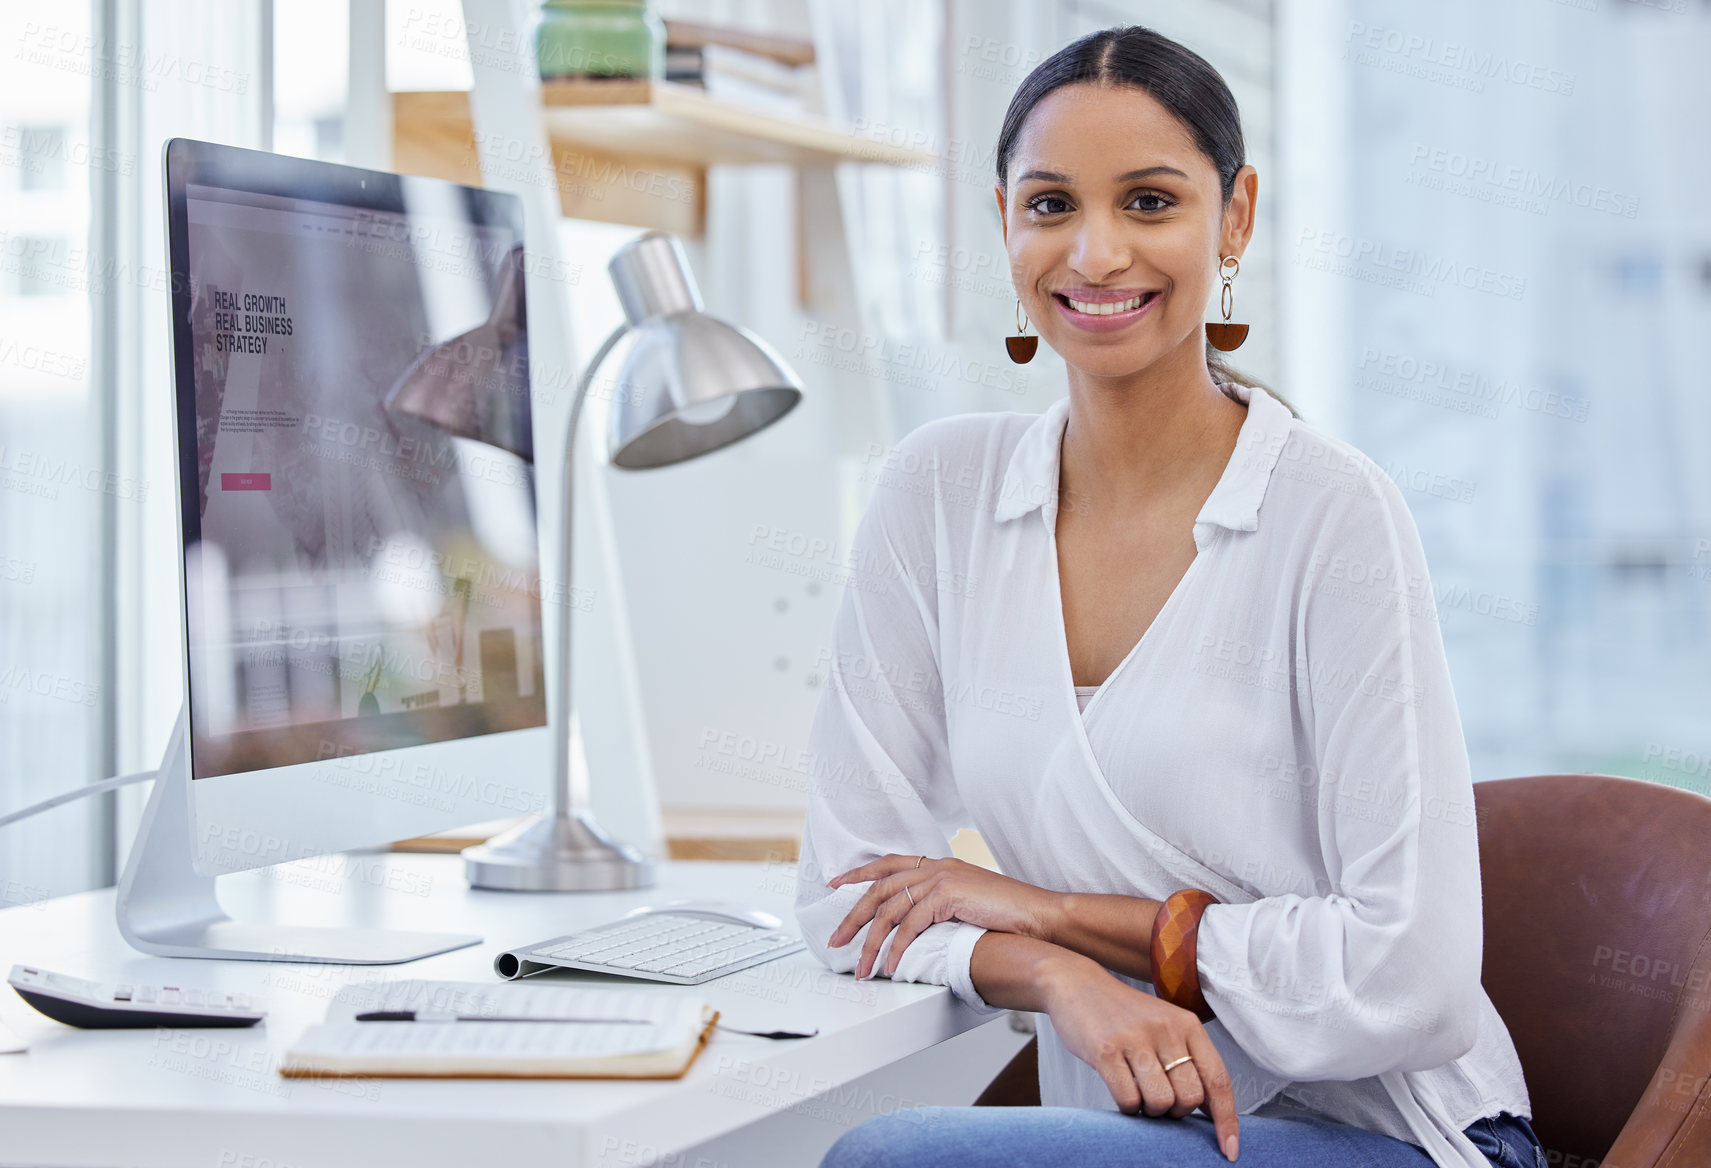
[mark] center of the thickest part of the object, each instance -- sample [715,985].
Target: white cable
[76,793]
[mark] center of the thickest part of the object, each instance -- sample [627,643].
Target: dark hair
[1176,77]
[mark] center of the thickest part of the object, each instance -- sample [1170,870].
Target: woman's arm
[878,766]
[1021,973]
[1124,1034]
[1379,970]
[1115,931]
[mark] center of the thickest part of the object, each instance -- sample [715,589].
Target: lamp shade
[476,384]
[690,382]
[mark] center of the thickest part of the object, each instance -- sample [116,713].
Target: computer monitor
[361,585]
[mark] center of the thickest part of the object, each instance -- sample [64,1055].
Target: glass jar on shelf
[600,39]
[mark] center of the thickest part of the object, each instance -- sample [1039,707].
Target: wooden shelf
[712,834]
[727,834]
[457,839]
[662,119]
[633,152]
[773,837]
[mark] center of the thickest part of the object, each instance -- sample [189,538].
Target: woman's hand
[937,890]
[1129,1036]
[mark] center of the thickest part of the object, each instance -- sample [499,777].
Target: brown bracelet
[1176,976]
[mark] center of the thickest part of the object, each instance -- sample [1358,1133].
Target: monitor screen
[356,470]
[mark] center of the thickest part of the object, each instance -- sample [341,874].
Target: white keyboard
[682,948]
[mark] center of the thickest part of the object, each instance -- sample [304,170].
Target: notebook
[617,1034]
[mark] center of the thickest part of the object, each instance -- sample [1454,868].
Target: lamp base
[557,853]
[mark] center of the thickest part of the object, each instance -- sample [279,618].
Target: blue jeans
[1036,1137]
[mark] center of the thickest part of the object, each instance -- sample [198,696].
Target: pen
[422,1016]
[415,1016]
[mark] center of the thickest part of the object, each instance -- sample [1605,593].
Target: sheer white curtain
[881,64]
[1509,290]
[214,83]
[89,620]
[53,496]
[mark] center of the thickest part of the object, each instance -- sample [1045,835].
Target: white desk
[214,1098]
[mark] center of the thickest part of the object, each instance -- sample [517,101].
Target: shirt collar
[1031,479]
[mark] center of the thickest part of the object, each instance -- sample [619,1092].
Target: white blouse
[1284,736]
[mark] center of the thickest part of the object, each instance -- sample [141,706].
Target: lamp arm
[569,795]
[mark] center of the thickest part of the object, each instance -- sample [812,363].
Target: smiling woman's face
[1114,223]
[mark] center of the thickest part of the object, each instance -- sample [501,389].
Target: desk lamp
[689,385]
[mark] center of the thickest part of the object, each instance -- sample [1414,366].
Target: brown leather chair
[1597,955]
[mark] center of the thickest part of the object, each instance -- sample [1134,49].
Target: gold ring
[918,862]
[910,895]
[1177,1062]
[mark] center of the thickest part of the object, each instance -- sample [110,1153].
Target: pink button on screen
[249,481]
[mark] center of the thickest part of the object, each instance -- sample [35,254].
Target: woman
[1241,607]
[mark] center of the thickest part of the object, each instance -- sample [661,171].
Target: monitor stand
[166,908]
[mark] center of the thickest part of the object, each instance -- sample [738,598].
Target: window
[41,158]
[1638,275]
[51,470]
[1519,344]
[40,265]
[89,627]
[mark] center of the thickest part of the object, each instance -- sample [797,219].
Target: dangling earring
[1022,348]
[1227,336]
